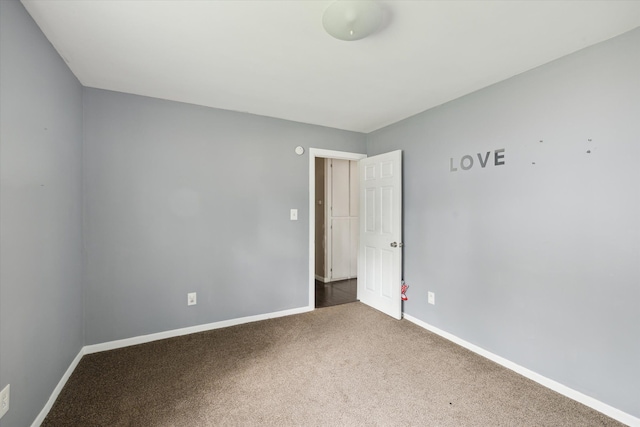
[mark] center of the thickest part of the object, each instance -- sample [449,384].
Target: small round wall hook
[299,150]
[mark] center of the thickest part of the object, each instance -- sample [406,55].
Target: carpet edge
[586,400]
[56,391]
[112,345]
[143,339]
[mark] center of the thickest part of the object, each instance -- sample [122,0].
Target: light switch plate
[294,214]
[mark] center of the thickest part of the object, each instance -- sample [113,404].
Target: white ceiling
[273,58]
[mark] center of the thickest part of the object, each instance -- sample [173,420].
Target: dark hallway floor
[334,293]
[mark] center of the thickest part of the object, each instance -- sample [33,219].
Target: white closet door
[341,256]
[340,203]
[343,219]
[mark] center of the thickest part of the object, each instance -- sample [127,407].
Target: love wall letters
[467,161]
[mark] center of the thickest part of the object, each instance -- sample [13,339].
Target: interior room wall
[181,198]
[535,259]
[40,215]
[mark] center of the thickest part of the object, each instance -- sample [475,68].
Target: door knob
[395,245]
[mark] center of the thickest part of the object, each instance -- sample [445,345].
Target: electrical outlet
[293,215]
[4,400]
[431,297]
[191,298]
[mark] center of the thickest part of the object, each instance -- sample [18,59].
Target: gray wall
[40,215]
[181,198]
[537,260]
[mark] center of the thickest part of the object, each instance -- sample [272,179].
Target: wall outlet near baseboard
[431,298]
[191,298]
[4,400]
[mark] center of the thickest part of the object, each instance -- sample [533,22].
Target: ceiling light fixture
[352,19]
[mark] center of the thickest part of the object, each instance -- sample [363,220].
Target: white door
[380,253]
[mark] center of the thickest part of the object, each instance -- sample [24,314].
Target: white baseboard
[56,391]
[329,280]
[111,345]
[589,401]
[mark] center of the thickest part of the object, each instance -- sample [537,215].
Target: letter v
[486,159]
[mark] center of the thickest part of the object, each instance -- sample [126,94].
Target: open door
[380,249]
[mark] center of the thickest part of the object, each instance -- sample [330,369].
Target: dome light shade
[352,19]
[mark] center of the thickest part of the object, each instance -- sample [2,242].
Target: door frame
[330,154]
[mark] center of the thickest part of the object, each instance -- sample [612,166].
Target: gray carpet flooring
[346,365]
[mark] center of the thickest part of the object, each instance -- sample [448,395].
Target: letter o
[466,168]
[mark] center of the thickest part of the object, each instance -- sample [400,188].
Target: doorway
[336,231]
[380,232]
[322,291]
